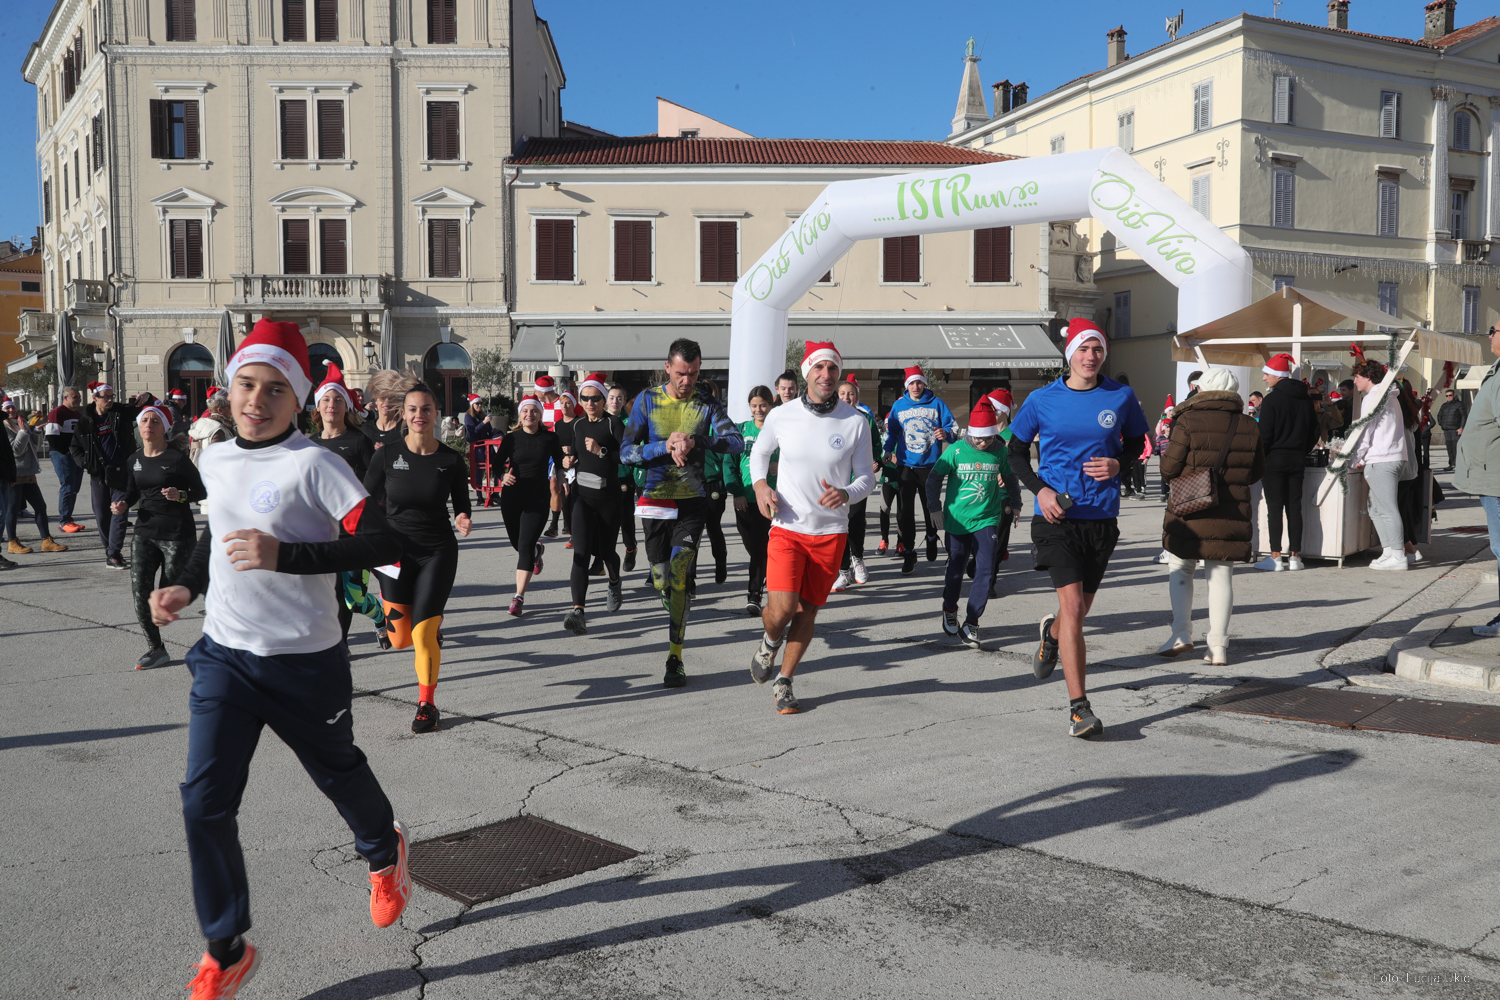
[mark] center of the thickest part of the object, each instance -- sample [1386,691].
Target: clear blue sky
[849,69]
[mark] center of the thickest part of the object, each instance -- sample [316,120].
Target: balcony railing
[38,330]
[1476,251]
[83,295]
[311,290]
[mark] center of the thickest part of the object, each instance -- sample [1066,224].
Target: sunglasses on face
[592,399]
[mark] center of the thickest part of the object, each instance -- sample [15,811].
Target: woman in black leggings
[417,478]
[755,529]
[596,438]
[617,402]
[527,490]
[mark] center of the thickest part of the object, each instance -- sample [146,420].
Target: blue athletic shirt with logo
[1074,427]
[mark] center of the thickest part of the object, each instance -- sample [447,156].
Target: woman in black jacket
[1288,431]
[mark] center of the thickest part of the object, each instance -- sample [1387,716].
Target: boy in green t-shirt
[977,467]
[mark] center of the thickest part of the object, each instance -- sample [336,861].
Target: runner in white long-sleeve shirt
[824,467]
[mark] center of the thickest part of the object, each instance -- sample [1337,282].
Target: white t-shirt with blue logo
[814,447]
[1074,427]
[298,491]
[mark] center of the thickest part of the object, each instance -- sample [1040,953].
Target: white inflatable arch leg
[1212,272]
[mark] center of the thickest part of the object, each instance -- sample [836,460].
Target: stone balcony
[1475,252]
[38,330]
[311,292]
[83,297]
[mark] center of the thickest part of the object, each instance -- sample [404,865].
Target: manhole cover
[1451,720]
[1283,701]
[491,861]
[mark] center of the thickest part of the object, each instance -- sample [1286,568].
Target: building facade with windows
[337,163]
[1341,161]
[624,244]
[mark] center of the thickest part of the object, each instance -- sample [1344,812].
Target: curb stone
[1413,658]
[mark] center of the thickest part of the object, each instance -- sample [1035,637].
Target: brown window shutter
[729,251]
[1002,251]
[546,238]
[294,20]
[911,258]
[190,130]
[442,130]
[717,251]
[67,77]
[330,130]
[450,128]
[562,249]
[159,143]
[708,252]
[179,248]
[182,21]
[194,248]
[640,251]
[455,259]
[443,248]
[46,203]
[334,247]
[295,246]
[984,256]
[442,22]
[294,130]
[327,16]
[890,259]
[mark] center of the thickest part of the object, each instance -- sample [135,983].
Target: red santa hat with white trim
[471,398]
[528,400]
[982,421]
[914,374]
[279,345]
[545,383]
[161,414]
[1280,365]
[1000,401]
[97,387]
[333,381]
[1079,331]
[177,394]
[595,379]
[816,351]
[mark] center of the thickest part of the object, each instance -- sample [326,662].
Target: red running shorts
[804,564]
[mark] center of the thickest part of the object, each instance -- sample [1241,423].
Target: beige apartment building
[623,244]
[1341,161]
[337,163]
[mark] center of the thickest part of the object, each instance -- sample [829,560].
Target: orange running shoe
[72,527]
[214,983]
[390,887]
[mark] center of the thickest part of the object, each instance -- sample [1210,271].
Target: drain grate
[491,861]
[1350,710]
[1447,719]
[1304,704]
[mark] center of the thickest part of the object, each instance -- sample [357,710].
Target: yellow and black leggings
[414,603]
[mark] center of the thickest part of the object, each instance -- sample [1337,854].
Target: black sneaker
[721,573]
[116,561]
[969,633]
[614,597]
[1045,660]
[574,622]
[7,564]
[551,531]
[763,663]
[383,637]
[908,564]
[629,560]
[1083,721]
[781,695]
[950,622]
[675,677]
[427,718]
[152,659]
[932,548]
[752,606]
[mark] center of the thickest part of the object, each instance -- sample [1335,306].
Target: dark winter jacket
[1451,416]
[1288,426]
[1221,532]
[89,453]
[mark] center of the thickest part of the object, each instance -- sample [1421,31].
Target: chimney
[1338,14]
[1439,19]
[1002,97]
[1117,46]
[1017,96]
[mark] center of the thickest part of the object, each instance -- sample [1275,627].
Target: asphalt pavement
[924,828]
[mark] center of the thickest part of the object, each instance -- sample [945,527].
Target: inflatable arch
[1212,272]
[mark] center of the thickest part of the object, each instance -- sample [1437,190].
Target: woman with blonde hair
[388,389]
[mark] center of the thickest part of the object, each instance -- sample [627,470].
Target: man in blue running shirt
[1089,430]
[918,425]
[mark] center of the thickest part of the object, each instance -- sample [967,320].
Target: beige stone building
[333,162]
[1342,161]
[623,244]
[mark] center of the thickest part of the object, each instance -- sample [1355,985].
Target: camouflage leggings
[152,559]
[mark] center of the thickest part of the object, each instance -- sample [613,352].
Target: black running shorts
[1076,551]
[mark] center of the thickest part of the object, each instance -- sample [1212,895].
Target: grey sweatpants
[1383,478]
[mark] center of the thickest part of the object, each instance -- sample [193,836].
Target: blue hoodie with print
[909,430]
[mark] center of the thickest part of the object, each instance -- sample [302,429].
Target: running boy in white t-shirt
[271,653]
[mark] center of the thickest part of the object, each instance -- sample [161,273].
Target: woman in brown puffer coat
[1219,537]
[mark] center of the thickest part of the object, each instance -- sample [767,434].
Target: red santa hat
[472,399]
[1080,330]
[982,422]
[569,394]
[852,379]
[333,381]
[816,351]
[1280,365]
[279,345]
[1000,401]
[914,374]
[95,388]
[161,414]
[212,391]
[177,394]
[545,383]
[528,400]
[595,379]
[1169,405]
[1335,396]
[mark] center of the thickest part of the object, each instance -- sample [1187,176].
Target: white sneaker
[1163,557]
[1294,562]
[1415,557]
[1270,564]
[1489,629]
[843,581]
[861,575]
[1391,560]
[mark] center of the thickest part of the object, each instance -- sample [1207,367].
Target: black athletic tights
[525,505]
[596,523]
[755,532]
[414,603]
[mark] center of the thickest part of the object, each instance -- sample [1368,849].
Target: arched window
[191,369]
[318,358]
[446,370]
[1463,130]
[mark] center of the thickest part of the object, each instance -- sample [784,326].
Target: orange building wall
[13,299]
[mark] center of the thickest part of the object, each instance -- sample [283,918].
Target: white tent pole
[1297,332]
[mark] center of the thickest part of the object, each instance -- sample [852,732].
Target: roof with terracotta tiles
[674,150]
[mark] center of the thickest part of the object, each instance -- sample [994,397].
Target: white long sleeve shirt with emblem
[815,448]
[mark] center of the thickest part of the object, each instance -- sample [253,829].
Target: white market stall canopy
[1298,318]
